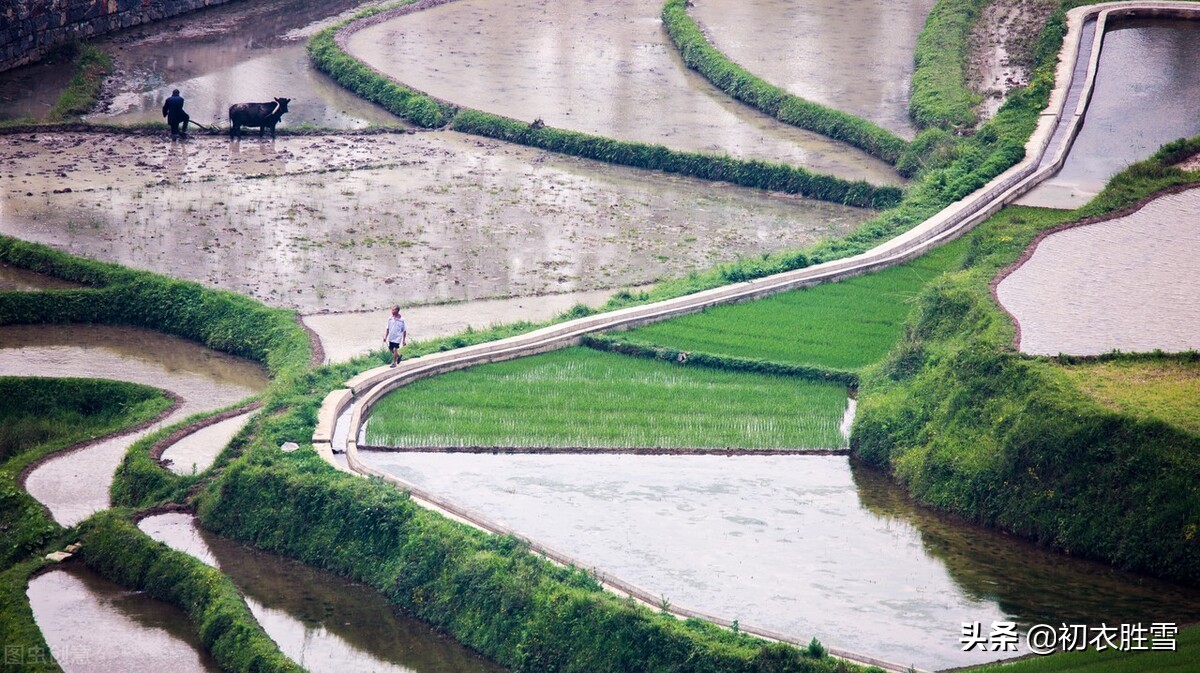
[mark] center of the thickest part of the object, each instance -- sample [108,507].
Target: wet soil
[75,485]
[604,68]
[323,622]
[15,279]
[348,222]
[808,546]
[854,56]
[1001,49]
[1146,87]
[83,615]
[1125,284]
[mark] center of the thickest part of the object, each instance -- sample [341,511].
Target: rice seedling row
[589,399]
[844,325]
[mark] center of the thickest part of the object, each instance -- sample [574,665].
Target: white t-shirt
[396,329]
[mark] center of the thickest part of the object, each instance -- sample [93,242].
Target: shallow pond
[1147,85]
[605,68]
[808,546]
[364,221]
[855,56]
[83,615]
[241,51]
[1128,284]
[75,485]
[323,622]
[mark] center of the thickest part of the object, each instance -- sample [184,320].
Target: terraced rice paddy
[600,68]
[845,325]
[586,399]
[855,56]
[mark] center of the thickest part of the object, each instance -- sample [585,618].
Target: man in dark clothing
[173,111]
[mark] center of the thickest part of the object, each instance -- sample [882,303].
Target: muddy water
[75,485]
[854,56]
[605,68]
[321,621]
[803,545]
[197,451]
[237,52]
[1127,284]
[407,218]
[82,615]
[15,279]
[1147,85]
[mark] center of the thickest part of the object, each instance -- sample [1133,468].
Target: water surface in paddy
[1127,284]
[1147,85]
[84,617]
[227,54]
[598,67]
[809,546]
[75,485]
[855,56]
[323,622]
[16,279]
[362,221]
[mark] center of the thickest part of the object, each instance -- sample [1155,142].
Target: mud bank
[348,222]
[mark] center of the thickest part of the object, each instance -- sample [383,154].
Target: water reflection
[852,55]
[1147,85]
[81,615]
[605,68]
[323,622]
[803,545]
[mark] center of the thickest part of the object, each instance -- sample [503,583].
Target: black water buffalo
[262,115]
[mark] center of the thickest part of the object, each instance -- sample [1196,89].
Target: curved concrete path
[344,410]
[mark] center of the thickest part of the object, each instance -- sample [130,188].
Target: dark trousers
[176,121]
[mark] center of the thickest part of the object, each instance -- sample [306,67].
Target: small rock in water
[58,556]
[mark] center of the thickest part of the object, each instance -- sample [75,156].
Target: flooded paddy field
[1127,284]
[242,51]
[602,68]
[321,621]
[338,223]
[1147,85]
[852,56]
[16,279]
[83,615]
[75,485]
[805,545]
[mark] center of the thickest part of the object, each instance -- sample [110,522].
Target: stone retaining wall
[29,29]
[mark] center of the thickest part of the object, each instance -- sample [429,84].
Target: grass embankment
[490,592]
[588,399]
[1162,389]
[1013,442]
[39,417]
[840,327]
[222,320]
[92,65]
[739,83]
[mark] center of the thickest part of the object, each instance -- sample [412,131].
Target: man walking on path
[396,335]
[173,111]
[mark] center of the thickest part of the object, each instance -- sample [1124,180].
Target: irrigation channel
[979,574]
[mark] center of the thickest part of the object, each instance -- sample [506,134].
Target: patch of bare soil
[344,222]
[1001,54]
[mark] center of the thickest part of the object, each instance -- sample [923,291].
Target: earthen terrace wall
[29,29]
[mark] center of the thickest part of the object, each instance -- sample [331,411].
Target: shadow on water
[82,615]
[1030,584]
[324,622]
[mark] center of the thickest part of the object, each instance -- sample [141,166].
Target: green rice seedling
[588,399]
[845,325]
